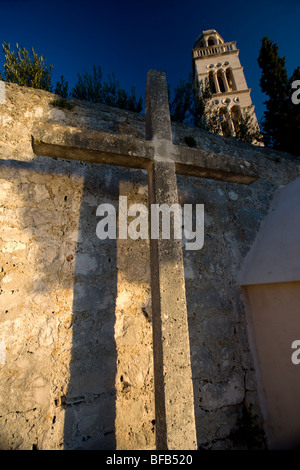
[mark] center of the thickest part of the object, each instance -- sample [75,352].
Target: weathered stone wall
[75,337]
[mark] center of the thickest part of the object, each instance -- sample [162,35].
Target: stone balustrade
[215,49]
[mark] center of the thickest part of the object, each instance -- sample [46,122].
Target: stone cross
[174,403]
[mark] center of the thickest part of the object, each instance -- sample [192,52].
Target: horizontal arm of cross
[217,166]
[50,140]
[100,147]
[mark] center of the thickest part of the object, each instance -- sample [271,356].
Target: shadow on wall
[90,400]
[83,307]
[109,400]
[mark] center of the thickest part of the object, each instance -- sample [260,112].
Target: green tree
[26,68]
[89,87]
[246,129]
[92,87]
[62,87]
[116,96]
[181,106]
[280,123]
[206,115]
[191,107]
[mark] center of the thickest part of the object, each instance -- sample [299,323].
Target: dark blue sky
[131,37]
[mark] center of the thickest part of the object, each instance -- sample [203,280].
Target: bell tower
[219,61]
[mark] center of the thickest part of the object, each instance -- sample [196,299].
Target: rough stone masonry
[174,404]
[76,331]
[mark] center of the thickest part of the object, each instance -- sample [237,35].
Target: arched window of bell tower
[221,83]
[212,82]
[236,115]
[211,41]
[230,79]
[224,121]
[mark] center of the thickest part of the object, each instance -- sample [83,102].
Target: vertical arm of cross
[174,403]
